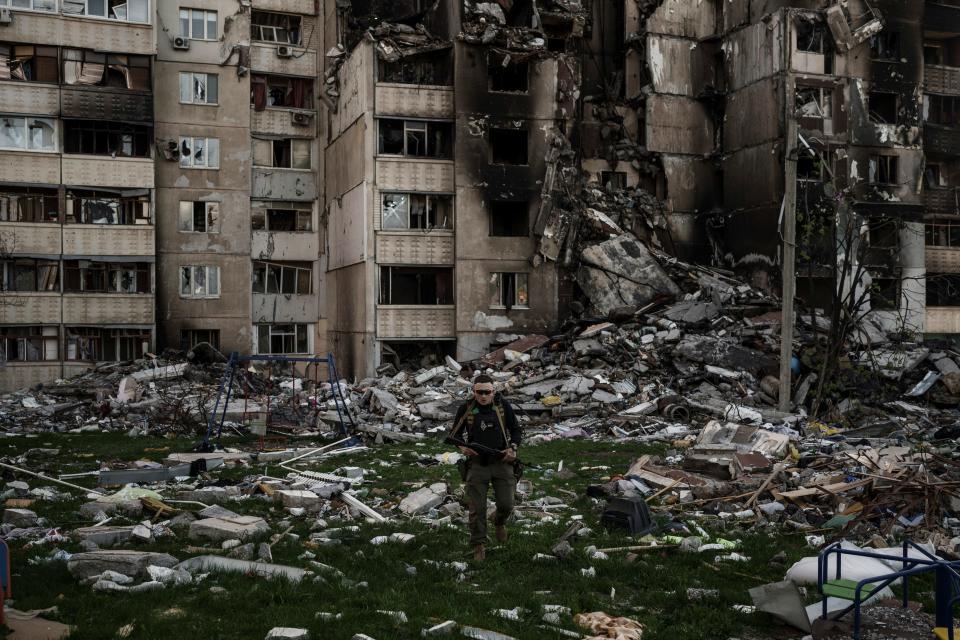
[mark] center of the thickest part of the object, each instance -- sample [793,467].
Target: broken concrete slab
[287,633]
[622,272]
[104,536]
[22,518]
[422,500]
[129,563]
[219,529]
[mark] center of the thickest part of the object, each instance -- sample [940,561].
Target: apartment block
[239,237]
[77,198]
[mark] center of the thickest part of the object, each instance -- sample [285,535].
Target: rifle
[479,448]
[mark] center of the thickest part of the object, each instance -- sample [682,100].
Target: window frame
[47,335]
[875,160]
[289,16]
[9,4]
[106,15]
[11,211]
[188,338]
[110,275]
[413,125]
[9,268]
[126,208]
[271,331]
[206,295]
[13,58]
[290,154]
[209,207]
[189,35]
[430,210]
[498,302]
[192,79]
[206,148]
[26,134]
[266,271]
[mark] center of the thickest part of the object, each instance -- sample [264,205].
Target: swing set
[273,414]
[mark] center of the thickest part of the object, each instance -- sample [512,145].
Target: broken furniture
[631,514]
[236,361]
[947,583]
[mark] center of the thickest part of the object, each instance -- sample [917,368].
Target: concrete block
[219,529]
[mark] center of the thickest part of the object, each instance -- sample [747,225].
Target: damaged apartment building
[388,180]
[77,214]
[158,183]
[716,116]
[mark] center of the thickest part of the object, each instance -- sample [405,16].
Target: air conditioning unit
[182,43]
[6,17]
[283,51]
[300,118]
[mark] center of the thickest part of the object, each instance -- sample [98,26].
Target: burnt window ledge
[393,157]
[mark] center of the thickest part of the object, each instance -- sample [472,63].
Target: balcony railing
[105,103]
[939,200]
[940,139]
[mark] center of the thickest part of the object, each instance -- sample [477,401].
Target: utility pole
[789,233]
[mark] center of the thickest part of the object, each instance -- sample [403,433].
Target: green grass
[652,589]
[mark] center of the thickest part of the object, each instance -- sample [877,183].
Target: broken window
[291,278]
[934,176]
[190,338]
[416,285]
[943,232]
[34,5]
[429,69]
[29,343]
[815,102]
[281,92]
[885,293]
[417,211]
[104,207]
[275,27]
[283,216]
[123,10]
[933,53]
[884,107]
[509,218]
[28,133]
[283,338]
[944,110]
[199,153]
[883,170]
[29,205]
[885,46]
[28,63]
[415,138]
[198,24]
[508,146]
[809,166]
[507,75]
[812,37]
[284,153]
[616,180]
[883,234]
[106,345]
[85,276]
[29,274]
[200,281]
[199,88]
[83,67]
[943,289]
[199,217]
[106,138]
[510,290]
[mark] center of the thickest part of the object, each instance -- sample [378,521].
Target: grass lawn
[652,589]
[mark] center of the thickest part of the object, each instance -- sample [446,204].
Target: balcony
[940,139]
[280,245]
[279,121]
[85,33]
[22,375]
[305,7]
[104,171]
[418,101]
[941,200]
[31,238]
[941,79]
[108,308]
[106,103]
[941,18]
[285,308]
[284,184]
[942,320]
[415,247]
[31,167]
[31,307]
[108,240]
[943,259]
[415,174]
[401,321]
[264,58]
[30,97]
